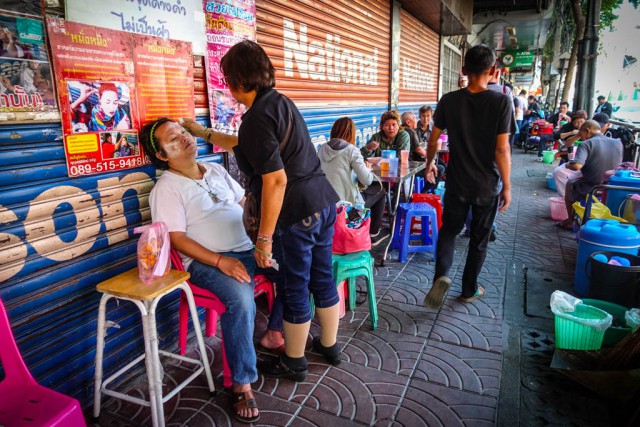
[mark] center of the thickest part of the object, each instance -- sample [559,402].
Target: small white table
[128,286]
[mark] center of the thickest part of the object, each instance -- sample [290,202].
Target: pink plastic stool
[24,402]
[214,309]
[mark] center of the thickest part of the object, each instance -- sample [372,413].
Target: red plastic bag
[153,251]
[348,240]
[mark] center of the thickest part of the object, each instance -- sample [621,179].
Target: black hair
[523,92]
[478,59]
[532,97]
[150,142]
[425,109]
[601,97]
[247,67]
[565,103]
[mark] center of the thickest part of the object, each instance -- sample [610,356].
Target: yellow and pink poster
[110,83]
[226,23]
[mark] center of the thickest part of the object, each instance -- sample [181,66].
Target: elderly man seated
[595,155]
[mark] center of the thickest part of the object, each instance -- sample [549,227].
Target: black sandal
[564,225]
[244,400]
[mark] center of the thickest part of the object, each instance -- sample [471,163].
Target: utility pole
[587,60]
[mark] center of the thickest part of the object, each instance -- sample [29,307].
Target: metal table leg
[392,224]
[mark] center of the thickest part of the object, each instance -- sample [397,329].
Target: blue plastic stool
[350,266]
[428,236]
[418,184]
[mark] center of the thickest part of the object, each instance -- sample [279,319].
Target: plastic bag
[563,304]
[598,211]
[633,318]
[153,251]
[351,230]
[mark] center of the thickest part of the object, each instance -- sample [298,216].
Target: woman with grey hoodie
[345,167]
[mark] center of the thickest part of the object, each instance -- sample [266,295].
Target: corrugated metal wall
[419,59]
[328,51]
[60,237]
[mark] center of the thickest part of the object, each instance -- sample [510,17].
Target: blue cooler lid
[625,178]
[609,232]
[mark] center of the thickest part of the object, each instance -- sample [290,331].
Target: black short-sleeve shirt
[263,127]
[473,122]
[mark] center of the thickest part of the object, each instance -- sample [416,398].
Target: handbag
[251,209]
[348,239]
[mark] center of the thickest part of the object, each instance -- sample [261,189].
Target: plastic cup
[384,165]
[404,157]
[393,164]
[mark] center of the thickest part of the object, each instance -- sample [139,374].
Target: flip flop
[479,293]
[244,400]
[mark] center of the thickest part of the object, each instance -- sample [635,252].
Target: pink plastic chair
[24,402]
[214,309]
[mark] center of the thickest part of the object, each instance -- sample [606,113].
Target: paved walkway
[479,364]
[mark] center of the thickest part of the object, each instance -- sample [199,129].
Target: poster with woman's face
[26,82]
[99,106]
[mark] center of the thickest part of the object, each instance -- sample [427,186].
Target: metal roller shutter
[59,238]
[328,52]
[419,62]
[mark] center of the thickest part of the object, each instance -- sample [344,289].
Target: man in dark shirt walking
[478,122]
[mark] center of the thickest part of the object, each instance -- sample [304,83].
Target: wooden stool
[128,286]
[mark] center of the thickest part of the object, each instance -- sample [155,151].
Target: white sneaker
[539,159]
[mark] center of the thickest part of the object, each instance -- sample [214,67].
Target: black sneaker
[332,354]
[279,369]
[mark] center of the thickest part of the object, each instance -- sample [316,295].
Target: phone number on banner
[105,166]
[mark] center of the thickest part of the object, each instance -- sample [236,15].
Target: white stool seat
[128,286]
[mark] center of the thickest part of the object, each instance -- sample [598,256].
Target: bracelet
[264,238]
[261,251]
[207,135]
[218,262]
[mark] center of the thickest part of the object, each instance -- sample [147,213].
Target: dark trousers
[483,212]
[374,197]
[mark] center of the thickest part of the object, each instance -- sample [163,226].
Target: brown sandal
[244,400]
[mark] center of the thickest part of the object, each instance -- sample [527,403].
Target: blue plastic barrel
[616,197]
[602,235]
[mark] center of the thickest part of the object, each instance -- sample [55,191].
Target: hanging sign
[109,84]
[170,19]
[226,23]
[26,84]
[517,58]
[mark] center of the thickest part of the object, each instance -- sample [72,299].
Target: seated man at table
[568,134]
[390,137]
[201,205]
[595,155]
[419,149]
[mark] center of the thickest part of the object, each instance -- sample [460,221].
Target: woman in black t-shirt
[297,205]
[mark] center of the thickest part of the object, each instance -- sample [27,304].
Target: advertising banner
[109,84]
[26,89]
[169,19]
[226,23]
[518,58]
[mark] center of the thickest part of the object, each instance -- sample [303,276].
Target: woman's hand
[262,254]
[193,127]
[233,267]
[372,146]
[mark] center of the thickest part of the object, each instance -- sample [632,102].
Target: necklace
[210,192]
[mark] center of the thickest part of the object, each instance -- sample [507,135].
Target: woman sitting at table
[390,137]
[345,169]
[201,205]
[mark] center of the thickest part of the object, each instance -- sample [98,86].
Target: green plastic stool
[348,267]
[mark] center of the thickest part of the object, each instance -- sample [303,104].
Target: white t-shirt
[185,206]
[522,105]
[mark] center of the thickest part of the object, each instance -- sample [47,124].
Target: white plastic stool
[128,286]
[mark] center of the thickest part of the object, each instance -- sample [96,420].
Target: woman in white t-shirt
[201,205]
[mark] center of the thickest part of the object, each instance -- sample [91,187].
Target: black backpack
[628,141]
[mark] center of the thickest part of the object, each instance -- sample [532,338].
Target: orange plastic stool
[431,199]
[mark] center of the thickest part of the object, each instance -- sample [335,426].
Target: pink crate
[558,209]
